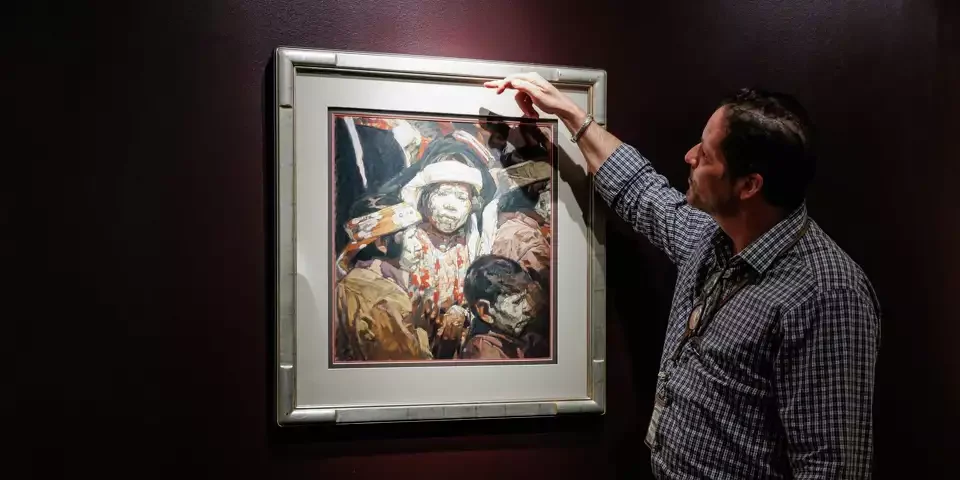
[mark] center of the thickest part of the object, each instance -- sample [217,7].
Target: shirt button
[663,375]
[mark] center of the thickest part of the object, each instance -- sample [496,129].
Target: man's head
[501,293]
[755,149]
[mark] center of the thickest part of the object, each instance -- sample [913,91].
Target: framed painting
[438,256]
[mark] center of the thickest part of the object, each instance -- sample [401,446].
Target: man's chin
[694,202]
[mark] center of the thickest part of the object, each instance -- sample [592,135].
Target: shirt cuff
[617,172]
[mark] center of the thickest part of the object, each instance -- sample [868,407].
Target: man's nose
[691,157]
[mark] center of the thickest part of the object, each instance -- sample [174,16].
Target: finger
[498,84]
[532,92]
[529,110]
[527,87]
[526,76]
[510,81]
[534,79]
[526,105]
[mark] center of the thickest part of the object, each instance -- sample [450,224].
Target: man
[376,319]
[503,296]
[769,356]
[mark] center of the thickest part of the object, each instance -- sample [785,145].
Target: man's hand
[532,89]
[596,144]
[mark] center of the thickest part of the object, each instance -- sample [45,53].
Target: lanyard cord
[708,315]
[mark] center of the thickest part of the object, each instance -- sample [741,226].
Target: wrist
[573,116]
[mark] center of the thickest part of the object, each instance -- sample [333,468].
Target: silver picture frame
[303,385]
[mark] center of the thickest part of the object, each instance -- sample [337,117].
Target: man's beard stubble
[713,206]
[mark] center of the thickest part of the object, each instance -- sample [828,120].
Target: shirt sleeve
[644,199]
[825,385]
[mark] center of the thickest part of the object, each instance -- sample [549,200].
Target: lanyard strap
[707,315]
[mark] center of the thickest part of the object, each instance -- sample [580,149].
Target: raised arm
[624,178]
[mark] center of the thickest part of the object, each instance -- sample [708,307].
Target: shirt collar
[761,253]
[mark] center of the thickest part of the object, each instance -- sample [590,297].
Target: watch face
[694,320]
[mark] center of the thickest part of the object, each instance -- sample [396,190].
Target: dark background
[144,348]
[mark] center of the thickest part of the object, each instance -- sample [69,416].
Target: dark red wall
[147,350]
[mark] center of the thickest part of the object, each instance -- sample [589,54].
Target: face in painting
[710,188]
[448,207]
[514,311]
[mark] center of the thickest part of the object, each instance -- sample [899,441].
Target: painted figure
[376,319]
[450,187]
[366,156]
[523,225]
[512,308]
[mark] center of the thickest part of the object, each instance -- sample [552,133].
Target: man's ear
[482,307]
[750,186]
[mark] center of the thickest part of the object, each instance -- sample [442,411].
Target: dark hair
[370,204]
[490,276]
[770,134]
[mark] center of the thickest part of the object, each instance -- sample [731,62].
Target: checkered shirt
[780,382]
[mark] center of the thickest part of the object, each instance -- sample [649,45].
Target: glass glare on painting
[443,240]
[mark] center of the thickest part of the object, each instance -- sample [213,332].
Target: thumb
[526,104]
